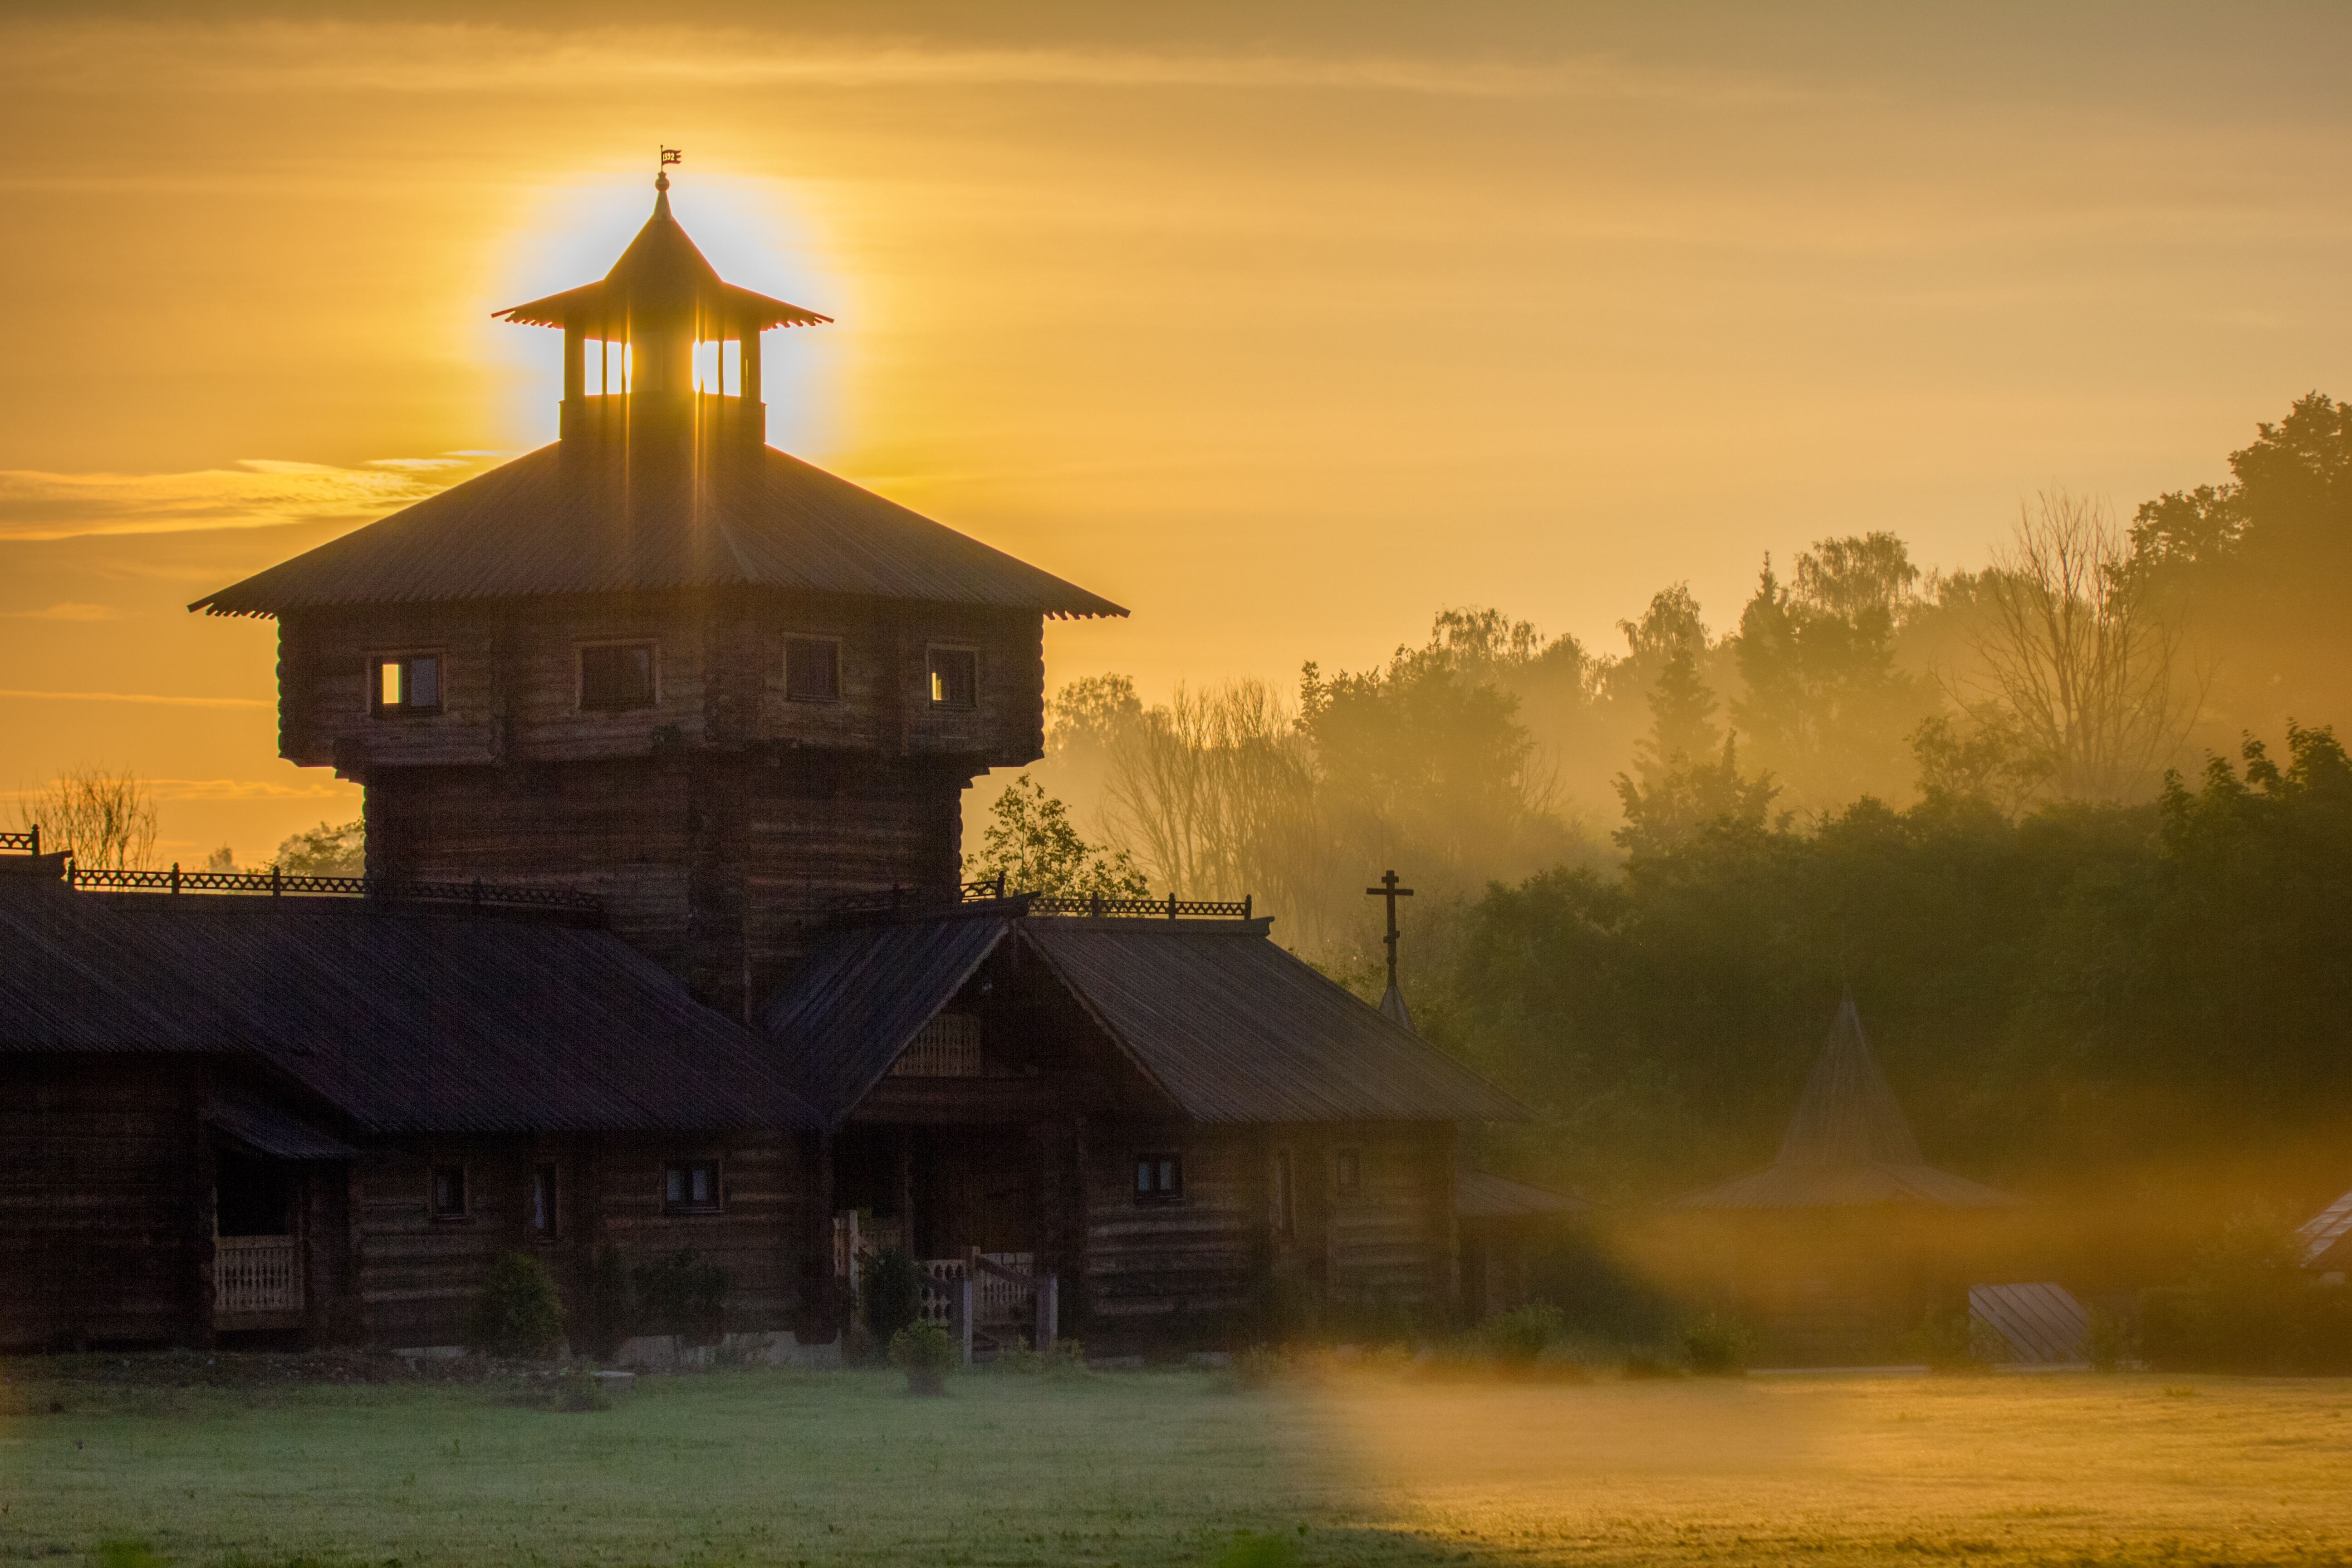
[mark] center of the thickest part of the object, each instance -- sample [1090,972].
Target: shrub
[1517,1338]
[925,1352]
[1643,1367]
[676,1295]
[581,1392]
[893,1291]
[2110,1340]
[1956,1340]
[1255,1366]
[1715,1347]
[608,1315]
[518,1312]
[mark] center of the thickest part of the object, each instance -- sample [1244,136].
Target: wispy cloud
[423,58]
[65,612]
[260,492]
[139,697]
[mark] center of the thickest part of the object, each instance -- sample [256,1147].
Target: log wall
[418,1275]
[104,1224]
[510,680]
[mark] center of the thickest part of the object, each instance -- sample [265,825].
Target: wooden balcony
[257,1282]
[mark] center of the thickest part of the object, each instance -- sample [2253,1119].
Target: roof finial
[661,178]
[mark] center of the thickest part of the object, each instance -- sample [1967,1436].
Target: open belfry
[660,660]
[664,971]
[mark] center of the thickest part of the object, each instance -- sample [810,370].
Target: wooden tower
[661,660]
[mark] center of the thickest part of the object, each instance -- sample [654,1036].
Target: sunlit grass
[1144,1470]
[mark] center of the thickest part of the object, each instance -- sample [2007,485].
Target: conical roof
[661,274]
[1848,1143]
[1847,1114]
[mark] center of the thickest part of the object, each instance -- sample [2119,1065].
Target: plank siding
[99,1211]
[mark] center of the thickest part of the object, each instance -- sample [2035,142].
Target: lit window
[542,1202]
[1158,1177]
[407,683]
[1348,1170]
[449,1192]
[955,677]
[812,670]
[614,678]
[691,1186]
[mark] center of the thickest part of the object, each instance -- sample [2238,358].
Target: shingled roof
[1226,1024]
[1848,1143]
[760,519]
[406,1023]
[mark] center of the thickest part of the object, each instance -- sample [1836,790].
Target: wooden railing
[478,893]
[257,1274]
[29,840]
[914,900]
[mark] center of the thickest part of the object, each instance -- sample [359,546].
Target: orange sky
[1283,326]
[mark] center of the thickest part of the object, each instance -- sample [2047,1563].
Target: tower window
[691,1186]
[617,676]
[812,669]
[1158,1177]
[955,677]
[406,683]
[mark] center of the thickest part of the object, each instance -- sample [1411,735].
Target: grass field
[1147,1469]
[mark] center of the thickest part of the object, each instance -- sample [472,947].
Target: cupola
[647,348]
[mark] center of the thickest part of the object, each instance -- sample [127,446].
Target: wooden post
[1049,1311]
[963,1303]
[747,372]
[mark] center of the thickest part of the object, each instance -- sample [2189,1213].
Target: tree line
[2071,827]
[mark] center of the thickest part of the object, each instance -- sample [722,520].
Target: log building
[663,947]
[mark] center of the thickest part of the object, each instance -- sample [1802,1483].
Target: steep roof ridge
[1848,1113]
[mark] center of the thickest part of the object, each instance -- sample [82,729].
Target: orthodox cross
[1390,891]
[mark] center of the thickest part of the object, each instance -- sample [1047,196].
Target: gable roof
[1848,1143]
[1483,1195]
[2322,1231]
[406,1023]
[1230,1026]
[552,522]
[859,999]
[1236,1030]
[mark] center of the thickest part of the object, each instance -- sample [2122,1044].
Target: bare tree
[107,819]
[2079,652]
[1214,794]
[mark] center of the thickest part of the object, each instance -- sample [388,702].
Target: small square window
[616,678]
[812,670]
[542,1202]
[449,1192]
[955,677]
[1158,1177]
[1348,1170]
[691,1186]
[406,683]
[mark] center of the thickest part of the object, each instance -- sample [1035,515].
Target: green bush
[518,1312]
[1517,1338]
[676,1295]
[1255,1366]
[1717,1347]
[581,1392]
[608,1316]
[925,1352]
[2110,1340]
[1955,1341]
[893,1291]
[2248,1307]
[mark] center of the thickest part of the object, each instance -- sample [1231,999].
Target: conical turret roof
[661,274]
[1848,1143]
